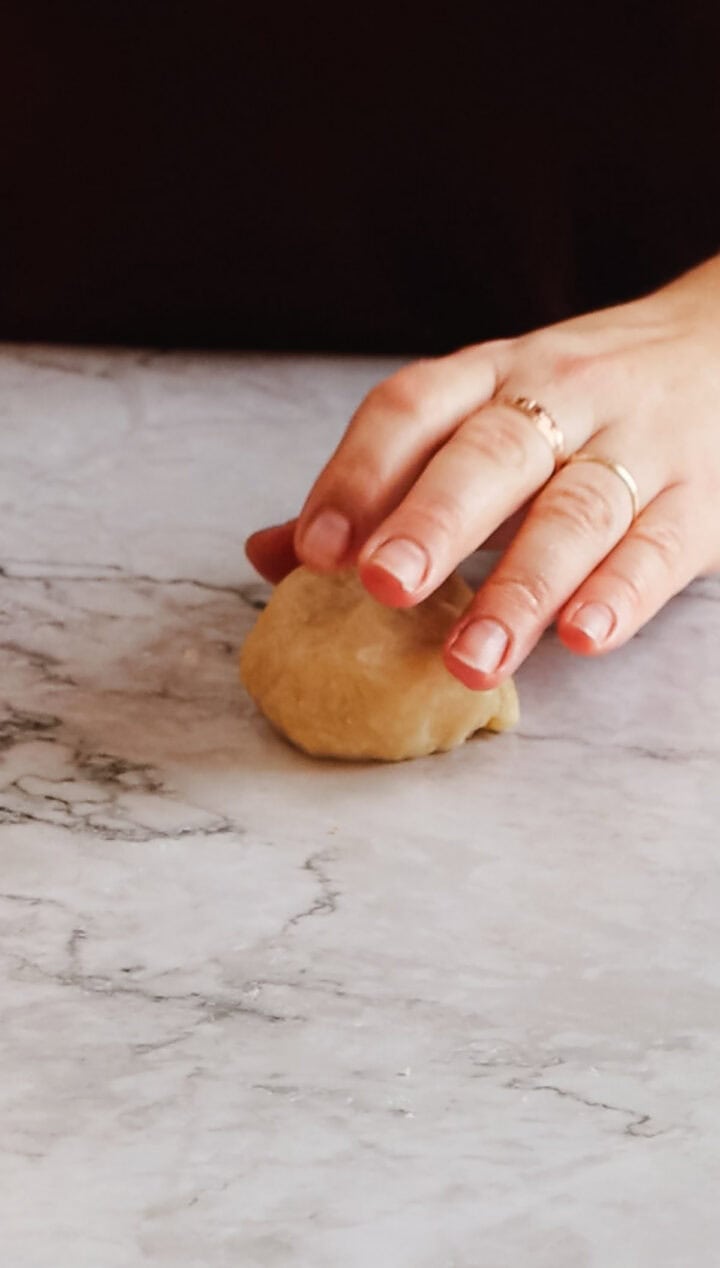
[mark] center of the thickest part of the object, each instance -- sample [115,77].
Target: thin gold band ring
[619,470]
[549,430]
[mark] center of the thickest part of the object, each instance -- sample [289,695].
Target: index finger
[395,432]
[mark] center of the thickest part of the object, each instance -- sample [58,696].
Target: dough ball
[343,676]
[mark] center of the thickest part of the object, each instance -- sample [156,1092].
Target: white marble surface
[264,1012]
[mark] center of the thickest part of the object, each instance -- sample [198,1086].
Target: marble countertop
[260,1011]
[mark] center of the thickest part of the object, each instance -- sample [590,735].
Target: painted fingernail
[402,559]
[326,538]
[481,645]
[596,620]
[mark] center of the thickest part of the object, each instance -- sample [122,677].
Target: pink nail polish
[596,620]
[482,645]
[326,539]
[402,559]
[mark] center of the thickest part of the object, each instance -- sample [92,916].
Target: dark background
[348,178]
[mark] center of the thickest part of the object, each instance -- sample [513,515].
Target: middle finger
[495,461]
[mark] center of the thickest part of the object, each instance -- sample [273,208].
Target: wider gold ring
[543,420]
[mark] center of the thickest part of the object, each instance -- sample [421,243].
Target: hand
[433,464]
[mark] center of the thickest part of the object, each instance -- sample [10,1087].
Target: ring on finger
[543,420]
[619,470]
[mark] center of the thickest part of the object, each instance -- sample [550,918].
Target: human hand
[433,463]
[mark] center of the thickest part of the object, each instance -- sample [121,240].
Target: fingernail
[327,537]
[481,645]
[594,619]
[404,560]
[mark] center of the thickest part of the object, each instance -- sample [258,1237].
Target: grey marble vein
[266,1012]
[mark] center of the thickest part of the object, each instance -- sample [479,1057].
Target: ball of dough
[343,676]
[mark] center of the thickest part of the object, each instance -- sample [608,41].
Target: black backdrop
[368,178]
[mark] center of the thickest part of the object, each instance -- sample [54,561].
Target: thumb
[271,551]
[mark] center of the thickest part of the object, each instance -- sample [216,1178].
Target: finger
[391,437]
[486,472]
[272,552]
[661,554]
[502,536]
[577,520]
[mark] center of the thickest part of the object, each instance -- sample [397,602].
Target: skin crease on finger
[391,438]
[653,367]
[271,551]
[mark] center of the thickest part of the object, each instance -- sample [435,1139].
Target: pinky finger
[660,555]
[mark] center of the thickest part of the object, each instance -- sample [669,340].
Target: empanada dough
[343,676]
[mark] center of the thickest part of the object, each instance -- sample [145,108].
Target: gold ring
[544,422]
[627,479]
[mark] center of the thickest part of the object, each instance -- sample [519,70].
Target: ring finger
[572,525]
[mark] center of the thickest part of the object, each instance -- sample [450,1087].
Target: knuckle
[499,439]
[662,548]
[630,585]
[530,345]
[500,347]
[438,518]
[403,392]
[664,541]
[353,480]
[531,591]
[358,476]
[536,353]
[488,349]
[580,506]
[574,367]
[549,356]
